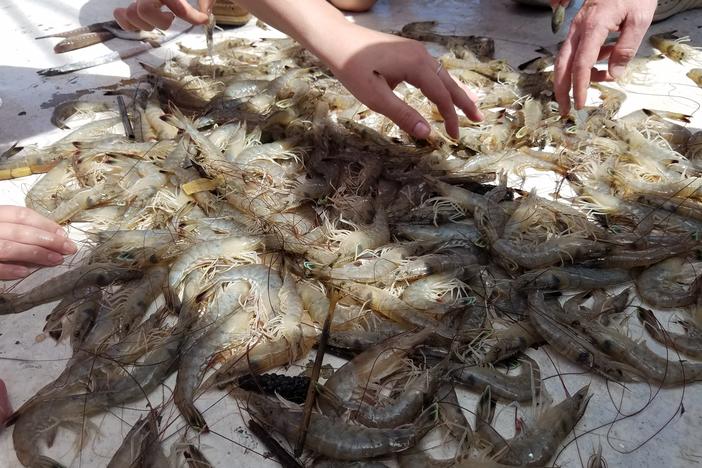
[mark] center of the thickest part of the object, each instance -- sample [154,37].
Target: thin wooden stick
[312,390]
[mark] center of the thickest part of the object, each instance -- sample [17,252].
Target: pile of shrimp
[258,200]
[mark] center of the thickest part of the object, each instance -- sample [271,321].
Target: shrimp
[84,200]
[224,326]
[362,270]
[510,341]
[63,112]
[674,47]
[660,285]
[70,283]
[539,445]
[550,252]
[523,387]
[153,114]
[268,354]
[141,444]
[567,341]
[689,343]
[406,406]
[42,419]
[462,234]
[233,247]
[393,307]
[435,263]
[574,277]
[696,75]
[195,458]
[442,291]
[340,441]
[596,460]
[45,195]
[620,257]
[348,382]
[654,367]
[368,237]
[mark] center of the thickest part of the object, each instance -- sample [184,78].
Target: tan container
[229,12]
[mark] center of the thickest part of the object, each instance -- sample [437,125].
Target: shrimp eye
[584,357]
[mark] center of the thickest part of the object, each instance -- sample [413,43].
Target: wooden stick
[311,390]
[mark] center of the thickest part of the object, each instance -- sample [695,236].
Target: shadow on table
[29,99]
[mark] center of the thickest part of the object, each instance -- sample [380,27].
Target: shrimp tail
[46,462]
[193,416]
[485,411]
[173,302]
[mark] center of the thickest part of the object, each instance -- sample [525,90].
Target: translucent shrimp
[339,441]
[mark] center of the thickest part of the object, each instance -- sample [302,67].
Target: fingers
[150,12]
[9,271]
[147,14]
[120,15]
[385,102]
[132,14]
[562,72]
[593,36]
[463,98]
[15,252]
[433,88]
[633,31]
[184,11]
[556,3]
[29,235]
[25,216]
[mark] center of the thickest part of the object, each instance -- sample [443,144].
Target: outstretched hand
[584,45]
[28,240]
[370,64]
[147,14]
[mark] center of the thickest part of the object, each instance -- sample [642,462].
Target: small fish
[82,40]
[95,27]
[153,38]
[558,18]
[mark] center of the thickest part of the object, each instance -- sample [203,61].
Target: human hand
[28,239]
[584,45]
[370,64]
[147,15]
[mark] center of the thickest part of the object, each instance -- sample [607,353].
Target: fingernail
[70,247]
[421,130]
[61,232]
[480,116]
[617,71]
[55,258]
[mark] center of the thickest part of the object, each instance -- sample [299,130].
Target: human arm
[584,45]
[369,63]
[27,240]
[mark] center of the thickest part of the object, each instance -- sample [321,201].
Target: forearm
[307,21]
